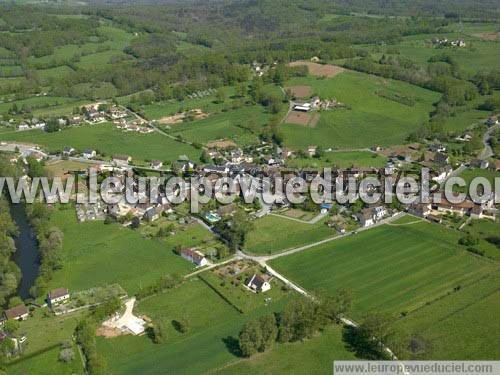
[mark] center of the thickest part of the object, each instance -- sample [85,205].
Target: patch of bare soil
[297,117]
[221,143]
[109,332]
[300,91]
[489,36]
[195,114]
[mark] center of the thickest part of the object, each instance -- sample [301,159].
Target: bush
[66,355]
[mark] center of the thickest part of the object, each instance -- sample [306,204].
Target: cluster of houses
[201,94]
[445,42]
[34,123]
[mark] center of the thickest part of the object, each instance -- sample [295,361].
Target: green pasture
[343,159]
[47,363]
[213,328]
[273,234]
[109,141]
[390,268]
[462,325]
[369,119]
[114,254]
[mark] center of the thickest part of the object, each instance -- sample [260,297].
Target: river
[26,256]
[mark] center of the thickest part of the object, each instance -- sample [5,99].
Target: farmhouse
[459,208]
[257,283]
[305,107]
[152,213]
[365,217]
[89,153]
[121,160]
[194,256]
[57,296]
[68,150]
[156,164]
[19,312]
[311,150]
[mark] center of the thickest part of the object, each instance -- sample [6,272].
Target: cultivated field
[462,325]
[300,91]
[320,70]
[309,119]
[390,268]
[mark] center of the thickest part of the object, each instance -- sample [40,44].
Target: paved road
[266,258]
[314,220]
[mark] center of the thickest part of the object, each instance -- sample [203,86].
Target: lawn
[109,140]
[114,254]
[370,118]
[390,268]
[462,325]
[273,234]
[233,289]
[47,363]
[343,159]
[213,327]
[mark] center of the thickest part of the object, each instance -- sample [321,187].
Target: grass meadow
[47,363]
[213,329]
[390,268]
[371,118]
[273,234]
[108,141]
[241,125]
[462,325]
[114,254]
[342,159]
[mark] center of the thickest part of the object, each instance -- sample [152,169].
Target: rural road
[488,151]
[314,220]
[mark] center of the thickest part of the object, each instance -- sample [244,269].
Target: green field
[225,125]
[36,102]
[389,268]
[214,324]
[314,356]
[462,325]
[113,254]
[47,363]
[486,230]
[273,234]
[343,159]
[474,57]
[108,140]
[371,118]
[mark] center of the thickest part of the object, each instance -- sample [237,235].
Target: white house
[89,154]
[365,217]
[57,296]
[121,160]
[194,256]
[257,283]
[156,164]
[19,312]
[379,212]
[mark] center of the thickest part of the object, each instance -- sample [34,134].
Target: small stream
[26,256]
